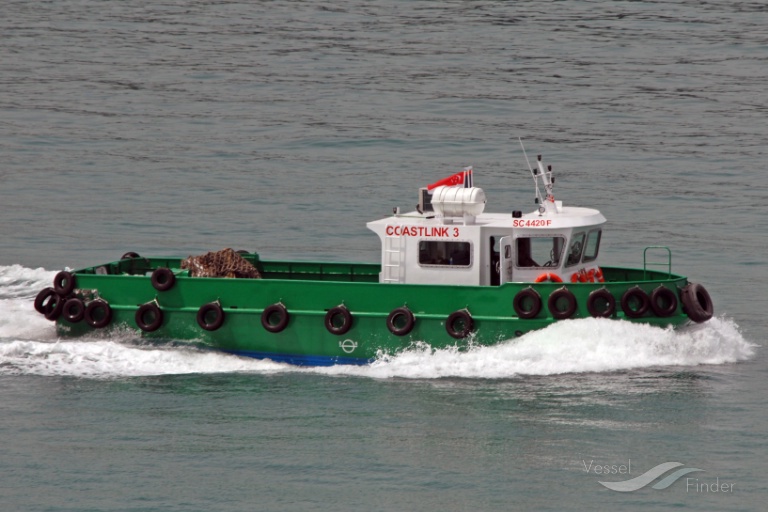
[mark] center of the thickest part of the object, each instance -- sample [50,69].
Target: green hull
[308,290]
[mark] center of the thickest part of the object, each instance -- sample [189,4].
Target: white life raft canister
[456,201]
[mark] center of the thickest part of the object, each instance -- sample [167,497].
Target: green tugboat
[450,275]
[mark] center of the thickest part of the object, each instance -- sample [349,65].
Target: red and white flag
[462,178]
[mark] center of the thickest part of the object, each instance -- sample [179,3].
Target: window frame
[584,257]
[469,244]
[516,250]
[571,243]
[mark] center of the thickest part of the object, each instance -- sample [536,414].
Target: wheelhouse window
[456,254]
[539,251]
[593,245]
[575,249]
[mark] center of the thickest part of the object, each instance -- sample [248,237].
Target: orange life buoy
[548,276]
[599,275]
[579,277]
[588,276]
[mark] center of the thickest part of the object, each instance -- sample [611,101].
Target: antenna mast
[545,203]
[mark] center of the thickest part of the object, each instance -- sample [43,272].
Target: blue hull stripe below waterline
[300,360]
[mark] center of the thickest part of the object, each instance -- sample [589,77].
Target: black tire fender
[74,310]
[592,303]
[163,279]
[519,303]
[98,314]
[43,304]
[332,315]
[663,301]
[203,316]
[636,294]
[64,283]
[394,318]
[269,313]
[467,323]
[555,297]
[697,302]
[149,317]
[54,306]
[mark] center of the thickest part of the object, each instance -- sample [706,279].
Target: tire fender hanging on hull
[697,303]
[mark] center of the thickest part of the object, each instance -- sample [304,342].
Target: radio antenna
[539,198]
[525,155]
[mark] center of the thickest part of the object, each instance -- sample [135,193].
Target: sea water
[174,128]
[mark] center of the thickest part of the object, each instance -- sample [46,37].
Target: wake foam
[18,288]
[110,359]
[570,346]
[575,346]
[21,282]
